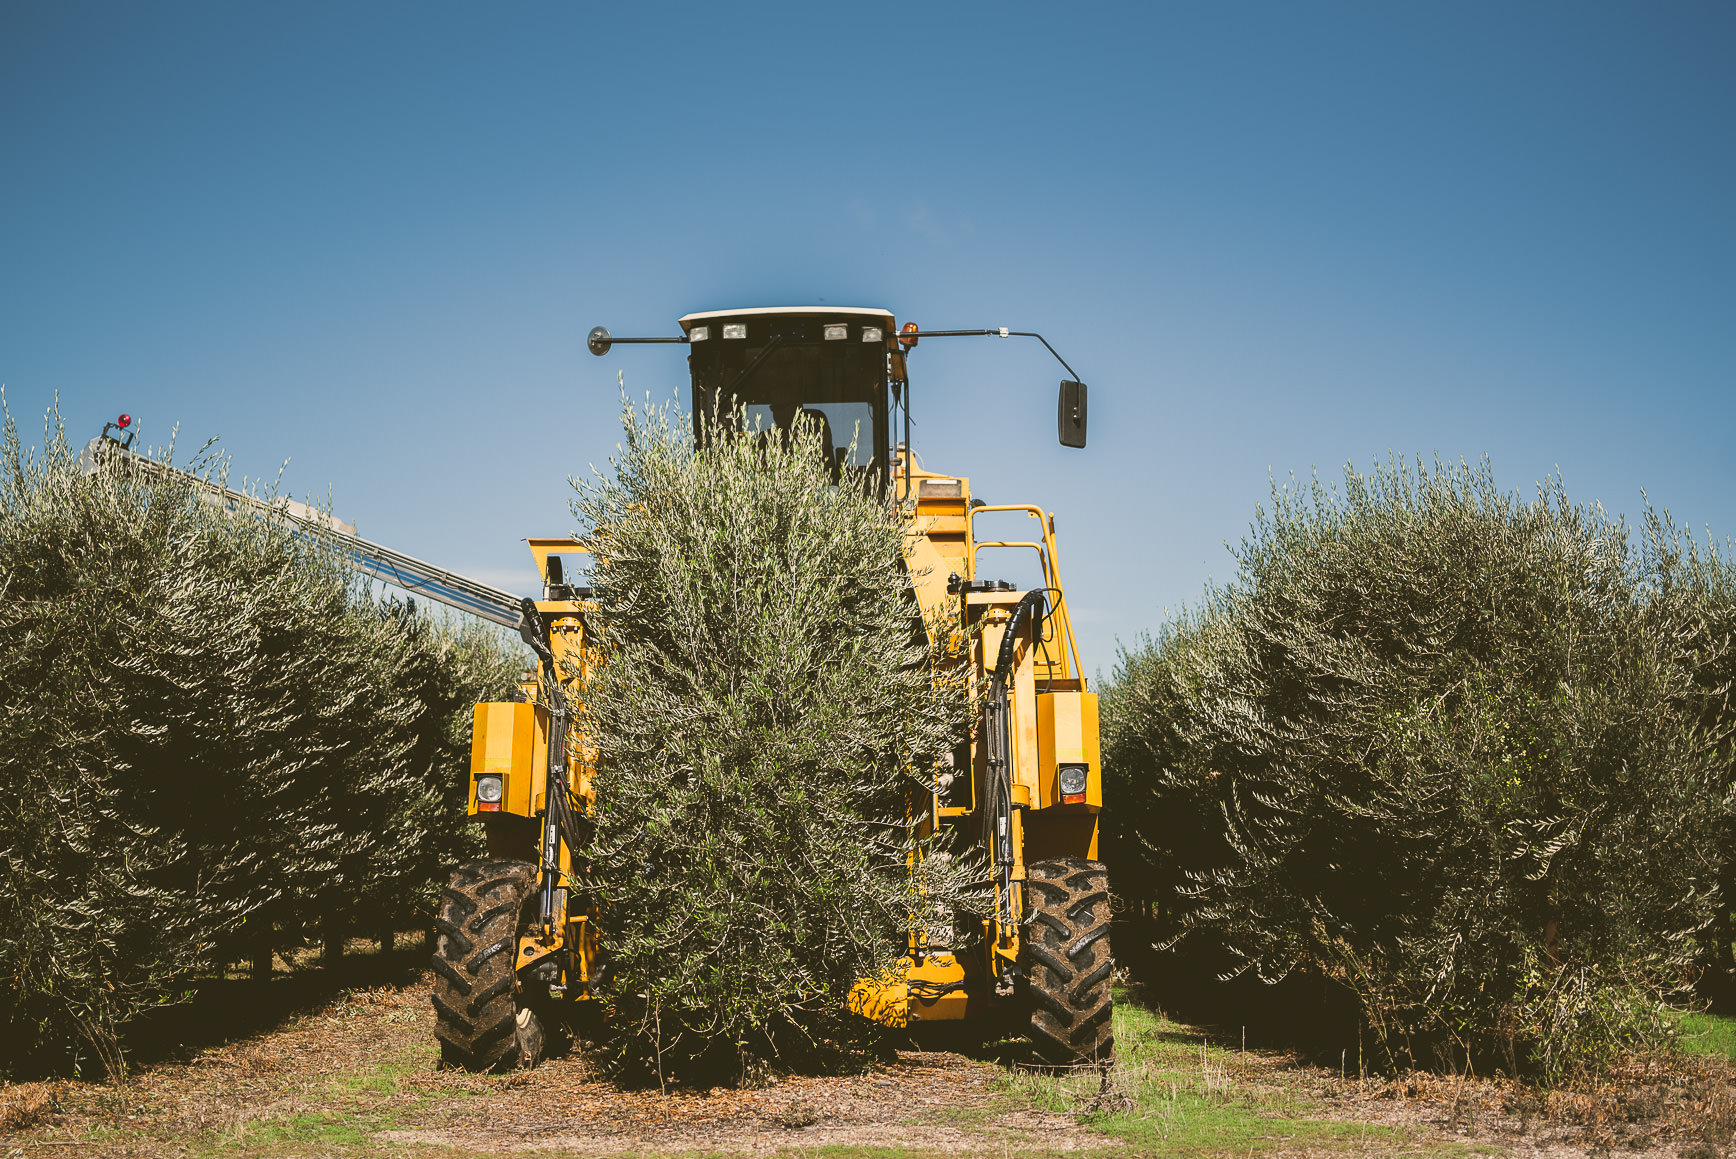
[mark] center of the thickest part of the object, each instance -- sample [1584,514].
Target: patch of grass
[1172,1092]
[324,1128]
[325,1133]
[1711,1034]
[854,1151]
[963,1118]
[381,1080]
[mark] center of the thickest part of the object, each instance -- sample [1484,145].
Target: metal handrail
[1051,570]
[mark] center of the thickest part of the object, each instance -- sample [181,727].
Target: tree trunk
[332,934]
[259,947]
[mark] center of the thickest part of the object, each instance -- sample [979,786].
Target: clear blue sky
[370,239]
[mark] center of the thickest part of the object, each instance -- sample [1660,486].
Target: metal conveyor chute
[413,575]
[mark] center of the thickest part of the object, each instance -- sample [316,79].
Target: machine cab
[822,364]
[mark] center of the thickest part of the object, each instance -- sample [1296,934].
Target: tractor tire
[478,1018]
[1067,966]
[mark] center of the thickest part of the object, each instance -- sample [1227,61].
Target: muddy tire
[1066,962]
[477,1015]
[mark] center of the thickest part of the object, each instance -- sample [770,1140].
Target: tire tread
[475,1000]
[1068,968]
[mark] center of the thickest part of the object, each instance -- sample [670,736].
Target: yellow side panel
[1093,757]
[505,740]
[941,524]
[941,970]
[539,765]
[1067,735]
[1024,721]
[1059,740]
[929,572]
[885,1000]
[890,1000]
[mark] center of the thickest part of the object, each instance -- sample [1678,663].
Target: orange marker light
[907,328]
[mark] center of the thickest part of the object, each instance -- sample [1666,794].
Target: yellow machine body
[1051,713]
[511,741]
[1053,723]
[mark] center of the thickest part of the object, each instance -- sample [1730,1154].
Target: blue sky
[1273,238]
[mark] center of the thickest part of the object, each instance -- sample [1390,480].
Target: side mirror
[1070,414]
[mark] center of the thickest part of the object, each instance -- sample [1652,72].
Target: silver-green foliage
[1443,745]
[764,700]
[213,742]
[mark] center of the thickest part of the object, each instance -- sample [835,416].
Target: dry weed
[1643,1102]
[26,1105]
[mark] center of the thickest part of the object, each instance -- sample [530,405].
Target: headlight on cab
[489,791]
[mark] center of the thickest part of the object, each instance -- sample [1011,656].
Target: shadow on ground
[229,1009]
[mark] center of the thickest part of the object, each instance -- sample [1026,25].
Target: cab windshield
[846,428]
[784,371]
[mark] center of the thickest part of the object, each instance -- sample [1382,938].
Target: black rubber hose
[997,814]
[1009,640]
[533,631]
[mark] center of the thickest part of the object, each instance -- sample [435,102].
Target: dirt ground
[358,1076]
[352,1072]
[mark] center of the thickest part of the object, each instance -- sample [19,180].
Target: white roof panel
[687,320]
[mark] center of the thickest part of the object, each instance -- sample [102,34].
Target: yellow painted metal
[1024,687]
[513,739]
[1067,734]
[1059,740]
[510,741]
[885,1000]
[583,939]
[533,947]
[1053,718]
[936,543]
[925,979]
[541,549]
[1052,578]
[1089,732]
[911,992]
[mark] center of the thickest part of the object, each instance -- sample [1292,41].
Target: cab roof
[686,321]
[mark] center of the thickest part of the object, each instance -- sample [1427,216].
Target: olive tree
[762,707]
[215,743]
[1433,742]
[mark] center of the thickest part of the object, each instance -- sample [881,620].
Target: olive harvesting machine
[518,944]
[1024,785]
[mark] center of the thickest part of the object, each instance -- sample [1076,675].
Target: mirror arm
[1001,332]
[599,340]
